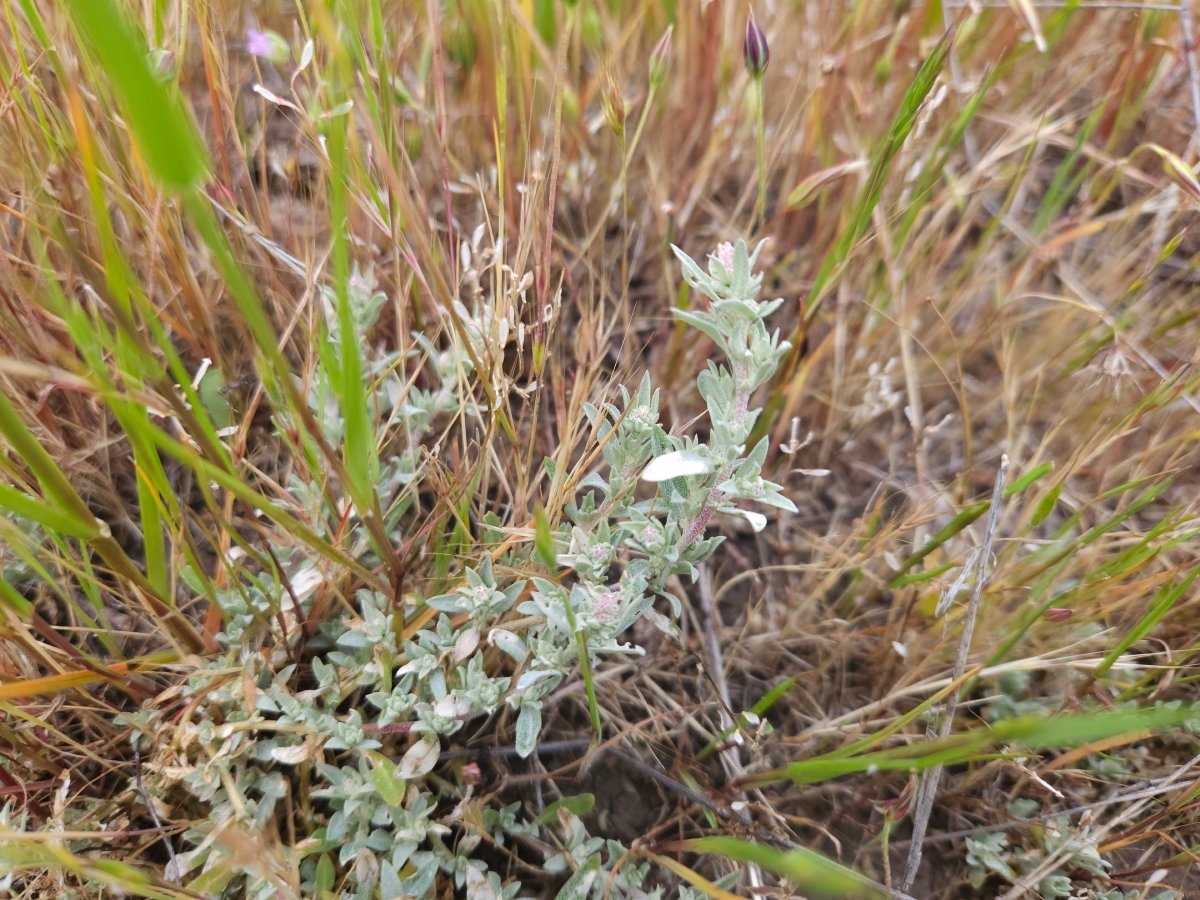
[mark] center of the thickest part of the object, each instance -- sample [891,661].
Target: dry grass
[1026,285]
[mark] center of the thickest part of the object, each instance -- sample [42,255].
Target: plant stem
[760,155]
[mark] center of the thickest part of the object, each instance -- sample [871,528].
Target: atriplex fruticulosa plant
[379,818]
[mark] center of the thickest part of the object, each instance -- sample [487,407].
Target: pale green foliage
[381,820]
[991,854]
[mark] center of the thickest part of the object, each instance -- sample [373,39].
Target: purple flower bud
[754,50]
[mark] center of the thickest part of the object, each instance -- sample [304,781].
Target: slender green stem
[760,155]
[626,155]
[884,836]
[637,133]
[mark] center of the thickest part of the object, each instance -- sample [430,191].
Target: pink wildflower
[607,606]
[268,45]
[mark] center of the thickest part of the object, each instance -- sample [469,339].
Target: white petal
[290,755]
[676,464]
[305,582]
[419,760]
[508,643]
[450,707]
[465,644]
[757,520]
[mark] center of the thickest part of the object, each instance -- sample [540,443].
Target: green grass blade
[943,534]
[158,122]
[812,873]
[345,361]
[835,261]
[12,598]
[271,510]
[36,509]
[65,502]
[1027,479]
[1163,603]
[1027,733]
[935,170]
[885,154]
